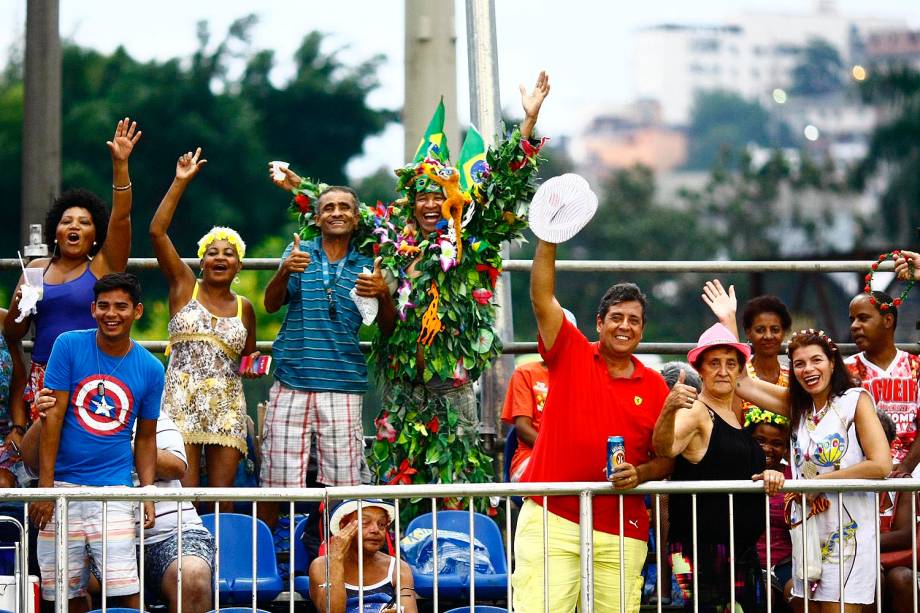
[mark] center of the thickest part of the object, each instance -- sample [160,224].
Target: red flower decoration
[491,511]
[868,277]
[867,289]
[303,202]
[376,249]
[404,475]
[433,425]
[516,165]
[873,300]
[897,302]
[493,272]
[875,266]
[482,296]
[884,307]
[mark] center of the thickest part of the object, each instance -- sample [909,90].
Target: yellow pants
[565,565]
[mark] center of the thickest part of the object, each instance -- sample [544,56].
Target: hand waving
[189,165]
[534,100]
[723,305]
[122,144]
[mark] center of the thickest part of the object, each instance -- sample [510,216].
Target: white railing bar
[769,581]
[434,552]
[25,555]
[573,488]
[255,545]
[327,536]
[179,506]
[586,532]
[62,582]
[545,512]
[731,550]
[472,518]
[695,569]
[361,556]
[396,545]
[878,555]
[105,553]
[292,558]
[658,546]
[508,552]
[216,557]
[806,584]
[913,545]
[840,548]
[622,546]
[141,567]
[637,266]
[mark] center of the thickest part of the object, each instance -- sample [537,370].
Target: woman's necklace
[816,416]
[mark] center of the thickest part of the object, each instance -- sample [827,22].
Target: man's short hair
[622,292]
[880,298]
[338,188]
[119,280]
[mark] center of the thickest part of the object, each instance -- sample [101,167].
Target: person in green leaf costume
[440,246]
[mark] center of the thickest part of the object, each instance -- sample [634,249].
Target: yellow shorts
[565,565]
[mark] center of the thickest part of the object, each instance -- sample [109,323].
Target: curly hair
[83,199]
[765,304]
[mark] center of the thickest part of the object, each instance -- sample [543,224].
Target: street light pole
[41,121]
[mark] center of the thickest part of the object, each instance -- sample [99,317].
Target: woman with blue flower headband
[211,329]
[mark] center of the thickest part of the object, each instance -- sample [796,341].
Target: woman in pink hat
[710,444]
[836,434]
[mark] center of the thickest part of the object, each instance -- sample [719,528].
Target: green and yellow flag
[434,143]
[472,162]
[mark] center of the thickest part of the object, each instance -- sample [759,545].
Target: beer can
[616,453]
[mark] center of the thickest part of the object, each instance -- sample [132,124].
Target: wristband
[121,188]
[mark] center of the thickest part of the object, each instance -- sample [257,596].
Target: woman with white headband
[211,329]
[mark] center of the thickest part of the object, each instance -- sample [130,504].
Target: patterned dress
[825,446]
[204,392]
[782,381]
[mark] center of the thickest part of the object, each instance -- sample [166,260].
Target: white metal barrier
[584,491]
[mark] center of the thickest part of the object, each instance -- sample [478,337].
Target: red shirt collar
[638,367]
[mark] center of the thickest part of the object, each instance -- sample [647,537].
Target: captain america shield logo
[102,405]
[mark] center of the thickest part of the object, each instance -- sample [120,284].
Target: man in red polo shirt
[596,390]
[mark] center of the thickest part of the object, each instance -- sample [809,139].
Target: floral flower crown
[222,233]
[811,332]
[756,415]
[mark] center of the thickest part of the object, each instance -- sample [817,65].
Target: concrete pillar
[41,124]
[431,71]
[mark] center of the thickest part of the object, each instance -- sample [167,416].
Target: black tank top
[732,455]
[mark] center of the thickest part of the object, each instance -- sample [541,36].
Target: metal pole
[586,530]
[485,114]
[61,583]
[41,117]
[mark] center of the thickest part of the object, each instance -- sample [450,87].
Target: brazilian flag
[434,143]
[472,163]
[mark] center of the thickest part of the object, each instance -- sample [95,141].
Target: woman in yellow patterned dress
[766,321]
[210,329]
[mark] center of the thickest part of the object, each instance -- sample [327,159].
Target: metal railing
[542,491]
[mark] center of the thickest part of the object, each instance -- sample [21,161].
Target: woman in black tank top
[709,444]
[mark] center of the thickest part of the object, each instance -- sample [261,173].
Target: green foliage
[894,148]
[723,121]
[317,120]
[820,70]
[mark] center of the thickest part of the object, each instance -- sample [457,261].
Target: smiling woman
[211,329]
[88,243]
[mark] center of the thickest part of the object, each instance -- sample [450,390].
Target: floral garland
[423,444]
[756,415]
[884,305]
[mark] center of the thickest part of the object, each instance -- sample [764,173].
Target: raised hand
[533,100]
[297,260]
[723,304]
[291,179]
[682,396]
[188,165]
[122,144]
[341,542]
[372,285]
[906,263]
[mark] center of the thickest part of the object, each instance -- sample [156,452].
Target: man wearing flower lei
[441,244]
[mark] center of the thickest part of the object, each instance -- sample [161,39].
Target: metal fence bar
[806,584]
[840,544]
[612,266]
[472,514]
[769,581]
[293,559]
[546,555]
[434,558]
[255,552]
[586,532]
[361,555]
[878,555]
[217,558]
[913,546]
[141,567]
[179,506]
[398,562]
[61,583]
[658,546]
[696,593]
[622,546]
[731,551]
[508,551]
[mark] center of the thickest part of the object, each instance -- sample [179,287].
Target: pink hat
[717,336]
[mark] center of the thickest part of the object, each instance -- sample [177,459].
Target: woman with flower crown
[210,330]
[836,434]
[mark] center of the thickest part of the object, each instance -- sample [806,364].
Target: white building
[752,54]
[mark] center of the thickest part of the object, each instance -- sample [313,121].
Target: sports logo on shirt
[102,405]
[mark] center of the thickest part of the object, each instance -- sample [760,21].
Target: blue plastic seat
[301,581]
[480,608]
[488,586]
[511,445]
[235,550]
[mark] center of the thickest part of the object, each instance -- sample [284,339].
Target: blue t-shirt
[312,352]
[106,396]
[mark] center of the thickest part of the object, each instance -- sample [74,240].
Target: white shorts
[84,532]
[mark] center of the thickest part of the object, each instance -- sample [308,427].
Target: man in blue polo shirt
[102,383]
[320,372]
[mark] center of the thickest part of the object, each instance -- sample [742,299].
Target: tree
[820,70]
[894,149]
[723,121]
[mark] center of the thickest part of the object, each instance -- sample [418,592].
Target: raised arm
[113,256]
[723,304]
[679,422]
[542,293]
[335,558]
[178,274]
[532,102]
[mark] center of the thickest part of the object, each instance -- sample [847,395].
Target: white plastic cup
[278,168]
[35,277]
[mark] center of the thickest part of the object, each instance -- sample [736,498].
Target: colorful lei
[895,302]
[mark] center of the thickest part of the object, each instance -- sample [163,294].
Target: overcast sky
[585,45]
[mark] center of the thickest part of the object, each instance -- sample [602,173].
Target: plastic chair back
[297,549]
[235,551]
[485,530]
[511,444]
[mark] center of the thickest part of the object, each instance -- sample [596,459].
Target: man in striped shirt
[320,371]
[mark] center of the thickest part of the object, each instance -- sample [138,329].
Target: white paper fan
[561,207]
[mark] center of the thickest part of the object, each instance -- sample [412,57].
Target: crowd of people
[94,408]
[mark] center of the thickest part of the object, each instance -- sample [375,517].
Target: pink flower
[385,431]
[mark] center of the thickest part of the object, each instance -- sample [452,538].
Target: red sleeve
[568,341]
[519,399]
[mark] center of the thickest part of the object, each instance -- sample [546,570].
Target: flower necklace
[895,302]
[816,416]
